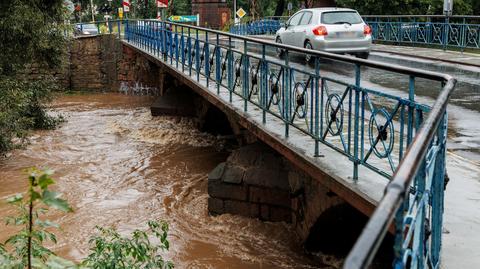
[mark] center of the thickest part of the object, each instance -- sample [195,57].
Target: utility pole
[234,11]
[93,10]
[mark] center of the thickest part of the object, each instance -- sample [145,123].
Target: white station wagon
[336,30]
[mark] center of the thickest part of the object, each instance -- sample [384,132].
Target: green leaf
[14,199]
[50,198]
[45,180]
[35,195]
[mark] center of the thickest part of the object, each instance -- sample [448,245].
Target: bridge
[380,150]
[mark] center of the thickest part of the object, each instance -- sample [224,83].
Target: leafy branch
[109,249]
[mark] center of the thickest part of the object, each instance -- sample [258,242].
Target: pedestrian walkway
[457,57]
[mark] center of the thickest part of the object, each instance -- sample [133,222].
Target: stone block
[296,182]
[269,160]
[269,196]
[264,212]
[242,208]
[246,156]
[280,214]
[219,189]
[217,172]
[215,206]
[258,176]
[233,174]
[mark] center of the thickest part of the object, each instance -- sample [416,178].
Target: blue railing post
[207,59]
[189,40]
[230,69]
[217,63]
[446,32]
[356,122]
[437,193]
[318,91]
[286,93]
[263,85]
[197,54]
[245,75]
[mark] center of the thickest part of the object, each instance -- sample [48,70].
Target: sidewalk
[456,57]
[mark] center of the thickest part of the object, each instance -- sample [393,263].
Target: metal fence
[265,26]
[393,135]
[462,32]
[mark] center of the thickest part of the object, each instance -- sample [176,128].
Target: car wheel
[363,55]
[308,57]
[280,52]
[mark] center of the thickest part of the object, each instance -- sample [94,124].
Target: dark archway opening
[216,122]
[336,231]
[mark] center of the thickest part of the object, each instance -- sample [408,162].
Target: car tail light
[367,30]
[320,30]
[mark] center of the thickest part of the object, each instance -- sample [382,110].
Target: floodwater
[119,167]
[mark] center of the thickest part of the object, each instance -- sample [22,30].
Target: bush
[22,109]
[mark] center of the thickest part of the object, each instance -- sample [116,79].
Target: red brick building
[213,13]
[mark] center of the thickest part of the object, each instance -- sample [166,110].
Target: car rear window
[89,26]
[340,17]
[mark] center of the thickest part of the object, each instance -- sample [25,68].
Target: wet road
[120,167]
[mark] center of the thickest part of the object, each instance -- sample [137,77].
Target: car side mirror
[286,25]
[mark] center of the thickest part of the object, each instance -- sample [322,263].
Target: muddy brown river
[119,167]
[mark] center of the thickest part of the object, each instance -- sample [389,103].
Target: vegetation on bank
[32,34]
[262,8]
[109,249]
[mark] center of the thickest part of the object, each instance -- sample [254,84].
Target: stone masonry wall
[251,183]
[257,182]
[93,63]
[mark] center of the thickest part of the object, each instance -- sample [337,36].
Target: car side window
[295,20]
[306,19]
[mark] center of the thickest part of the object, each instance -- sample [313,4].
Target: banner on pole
[162,3]
[126,5]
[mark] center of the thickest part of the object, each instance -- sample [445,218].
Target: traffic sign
[126,5]
[162,3]
[184,18]
[289,6]
[241,13]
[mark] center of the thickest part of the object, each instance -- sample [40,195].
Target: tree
[33,36]
[407,7]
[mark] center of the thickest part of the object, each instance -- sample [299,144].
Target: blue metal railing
[388,133]
[461,32]
[265,26]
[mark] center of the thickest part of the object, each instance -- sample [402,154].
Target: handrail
[369,241]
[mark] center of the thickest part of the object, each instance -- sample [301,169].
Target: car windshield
[89,26]
[341,17]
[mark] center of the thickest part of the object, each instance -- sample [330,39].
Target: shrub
[108,248]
